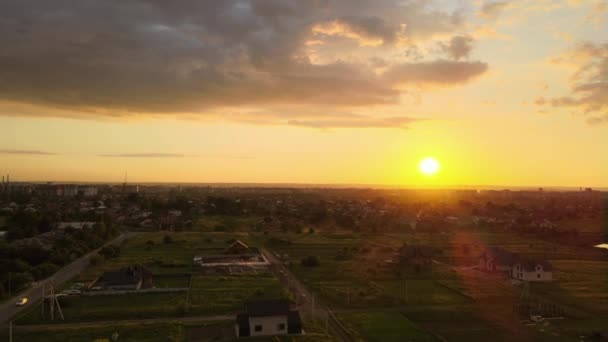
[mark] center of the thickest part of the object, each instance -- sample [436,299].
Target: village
[205,264]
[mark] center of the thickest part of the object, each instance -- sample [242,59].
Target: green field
[228,294]
[221,223]
[353,272]
[130,333]
[115,307]
[149,250]
[383,326]
[579,284]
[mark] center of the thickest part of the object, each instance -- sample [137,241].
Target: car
[22,301]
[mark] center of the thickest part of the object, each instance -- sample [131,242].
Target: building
[268,318]
[530,270]
[134,277]
[237,247]
[496,259]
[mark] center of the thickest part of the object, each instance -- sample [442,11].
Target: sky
[504,93]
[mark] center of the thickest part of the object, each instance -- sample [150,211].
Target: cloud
[357,122]
[458,47]
[143,155]
[112,59]
[436,73]
[366,30]
[491,10]
[588,83]
[28,152]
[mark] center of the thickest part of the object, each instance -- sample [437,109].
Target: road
[308,302]
[8,309]
[196,319]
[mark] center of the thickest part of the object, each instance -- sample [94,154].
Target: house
[496,259]
[133,277]
[268,318]
[237,247]
[531,270]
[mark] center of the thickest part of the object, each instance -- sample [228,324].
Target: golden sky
[510,93]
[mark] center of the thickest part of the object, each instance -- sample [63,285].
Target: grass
[159,257]
[131,333]
[131,306]
[580,284]
[228,294]
[454,324]
[226,223]
[383,326]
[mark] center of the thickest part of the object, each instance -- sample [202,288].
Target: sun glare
[429,166]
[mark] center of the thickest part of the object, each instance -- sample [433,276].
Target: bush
[311,261]
[167,239]
[150,243]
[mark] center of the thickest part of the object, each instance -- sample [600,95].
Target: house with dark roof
[268,318]
[237,247]
[133,277]
[496,259]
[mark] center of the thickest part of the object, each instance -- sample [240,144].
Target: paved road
[196,319]
[308,302]
[8,309]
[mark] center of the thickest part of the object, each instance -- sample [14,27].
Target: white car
[22,301]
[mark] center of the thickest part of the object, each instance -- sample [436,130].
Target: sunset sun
[429,166]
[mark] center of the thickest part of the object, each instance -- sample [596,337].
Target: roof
[505,257]
[501,256]
[125,276]
[262,308]
[236,246]
[530,264]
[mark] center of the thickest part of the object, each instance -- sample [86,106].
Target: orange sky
[510,93]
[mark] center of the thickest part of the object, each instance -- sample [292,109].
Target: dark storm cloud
[113,58]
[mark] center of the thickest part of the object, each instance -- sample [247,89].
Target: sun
[429,166]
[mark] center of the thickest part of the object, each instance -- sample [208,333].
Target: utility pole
[10,331]
[312,311]
[9,283]
[42,305]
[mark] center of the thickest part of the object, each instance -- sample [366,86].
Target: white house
[496,259]
[529,270]
[268,318]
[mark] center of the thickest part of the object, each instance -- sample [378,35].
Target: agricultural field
[383,326]
[580,284]
[223,223]
[131,333]
[171,265]
[453,324]
[111,307]
[353,272]
[160,257]
[227,294]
